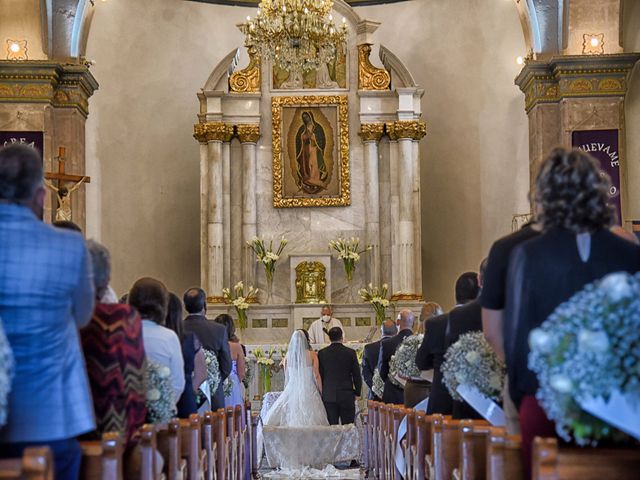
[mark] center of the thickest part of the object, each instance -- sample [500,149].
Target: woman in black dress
[195,369]
[574,249]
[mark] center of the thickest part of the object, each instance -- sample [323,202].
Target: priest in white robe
[318,329]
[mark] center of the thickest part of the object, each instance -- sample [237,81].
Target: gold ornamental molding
[371,132]
[575,76]
[369,76]
[284,196]
[216,299]
[407,297]
[248,79]
[33,81]
[411,129]
[212,132]
[248,133]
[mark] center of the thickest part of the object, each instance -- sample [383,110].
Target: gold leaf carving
[248,133]
[212,132]
[580,86]
[370,77]
[371,132]
[247,79]
[412,129]
[610,84]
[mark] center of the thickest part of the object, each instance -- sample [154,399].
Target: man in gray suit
[46,294]
[212,336]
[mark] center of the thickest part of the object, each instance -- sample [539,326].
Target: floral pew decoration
[161,404]
[586,356]
[472,372]
[6,375]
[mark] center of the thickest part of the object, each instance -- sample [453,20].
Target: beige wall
[153,56]
[20,20]
[631,43]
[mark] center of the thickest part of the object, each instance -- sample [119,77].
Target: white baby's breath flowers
[160,401]
[616,286]
[594,341]
[403,362]
[6,375]
[539,340]
[153,395]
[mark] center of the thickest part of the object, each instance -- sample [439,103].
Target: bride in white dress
[300,404]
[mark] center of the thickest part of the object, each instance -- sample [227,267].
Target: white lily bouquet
[587,359]
[471,361]
[240,301]
[402,365]
[6,375]
[161,404]
[349,252]
[267,258]
[267,366]
[377,297]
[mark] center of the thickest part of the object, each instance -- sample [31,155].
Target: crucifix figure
[63,193]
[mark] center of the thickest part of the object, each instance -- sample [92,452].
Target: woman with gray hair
[114,354]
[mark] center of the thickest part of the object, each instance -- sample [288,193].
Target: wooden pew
[445,453]
[504,455]
[102,460]
[551,462]
[398,412]
[375,449]
[192,449]
[255,418]
[36,464]
[239,437]
[423,445]
[220,436]
[176,465]
[209,445]
[473,450]
[409,444]
[150,469]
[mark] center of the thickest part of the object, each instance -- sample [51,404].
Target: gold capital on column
[371,132]
[412,129]
[248,133]
[212,131]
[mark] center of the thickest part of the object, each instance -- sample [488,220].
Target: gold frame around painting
[333,187]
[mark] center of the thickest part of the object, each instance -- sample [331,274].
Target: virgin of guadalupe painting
[310,151]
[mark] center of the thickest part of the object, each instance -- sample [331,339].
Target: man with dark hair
[388,347]
[430,355]
[46,294]
[212,336]
[371,353]
[341,380]
[465,319]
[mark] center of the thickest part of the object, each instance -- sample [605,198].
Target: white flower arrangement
[377,297]
[471,361]
[213,370]
[266,365]
[249,372]
[161,405]
[378,384]
[6,375]
[266,256]
[588,348]
[349,252]
[403,363]
[240,301]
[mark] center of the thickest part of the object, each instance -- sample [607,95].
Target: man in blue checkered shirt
[46,294]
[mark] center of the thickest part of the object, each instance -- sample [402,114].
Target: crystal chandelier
[296,35]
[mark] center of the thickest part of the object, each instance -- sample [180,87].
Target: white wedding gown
[296,433]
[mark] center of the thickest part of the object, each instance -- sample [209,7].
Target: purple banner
[33,139]
[603,145]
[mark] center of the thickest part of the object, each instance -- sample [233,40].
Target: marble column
[406,133]
[226,200]
[249,134]
[574,92]
[200,135]
[371,134]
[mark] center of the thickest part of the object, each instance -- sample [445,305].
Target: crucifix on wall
[63,193]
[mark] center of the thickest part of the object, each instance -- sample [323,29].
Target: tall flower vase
[350,295]
[266,378]
[269,292]
[381,316]
[349,270]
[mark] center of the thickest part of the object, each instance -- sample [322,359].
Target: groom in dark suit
[341,380]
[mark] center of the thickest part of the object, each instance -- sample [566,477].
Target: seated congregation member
[388,346]
[371,353]
[46,294]
[428,311]
[195,368]
[574,249]
[341,380]
[466,319]
[151,298]
[430,355]
[212,335]
[114,354]
[238,364]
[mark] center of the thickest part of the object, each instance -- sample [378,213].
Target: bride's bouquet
[240,301]
[471,361]
[402,365]
[6,375]
[586,356]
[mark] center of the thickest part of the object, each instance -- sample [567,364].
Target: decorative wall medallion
[370,77]
[311,151]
